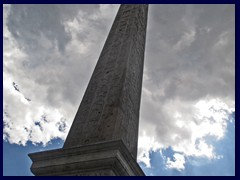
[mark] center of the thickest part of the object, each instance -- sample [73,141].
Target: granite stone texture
[109,111]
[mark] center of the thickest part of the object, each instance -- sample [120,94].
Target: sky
[187,114]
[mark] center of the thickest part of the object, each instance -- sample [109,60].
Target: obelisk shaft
[110,107]
[103,138]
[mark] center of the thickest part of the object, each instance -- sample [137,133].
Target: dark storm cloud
[195,68]
[40,29]
[28,22]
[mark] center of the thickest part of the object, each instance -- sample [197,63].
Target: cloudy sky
[187,117]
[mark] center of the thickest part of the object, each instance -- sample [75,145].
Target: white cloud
[185,132]
[146,144]
[177,163]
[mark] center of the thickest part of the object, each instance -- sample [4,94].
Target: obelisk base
[110,158]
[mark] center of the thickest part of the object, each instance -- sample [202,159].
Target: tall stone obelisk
[104,134]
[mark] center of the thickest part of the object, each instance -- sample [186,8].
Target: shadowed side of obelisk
[104,134]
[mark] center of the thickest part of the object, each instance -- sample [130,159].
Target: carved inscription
[132,87]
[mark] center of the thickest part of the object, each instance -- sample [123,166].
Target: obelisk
[104,134]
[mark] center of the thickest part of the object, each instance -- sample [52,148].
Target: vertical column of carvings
[110,112]
[102,95]
[127,126]
[111,83]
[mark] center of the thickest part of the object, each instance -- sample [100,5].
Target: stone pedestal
[110,158]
